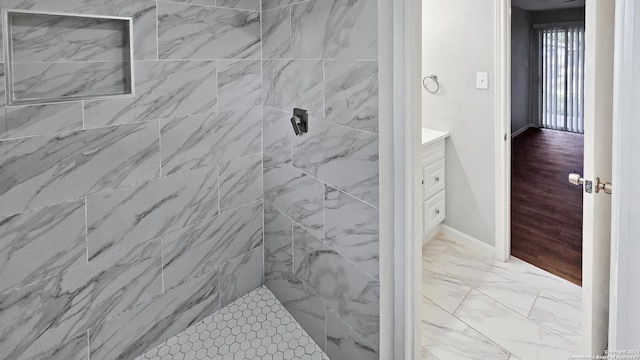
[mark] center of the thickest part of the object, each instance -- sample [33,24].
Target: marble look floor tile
[433,248]
[99,113]
[497,322]
[350,292]
[117,219]
[475,270]
[448,338]
[297,195]
[59,228]
[351,93]
[240,182]
[143,327]
[351,229]
[443,289]
[277,135]
[341,157]
[57,80]
[276,29]
[353,27]
[426,355]
[199,141]
[240,275]
[169,89]
[43,119]
[70,165]
[513,357]
[239,84]
[557,287]
[283,88]
[345,344]
[559,317]
[198,32]
[198,249]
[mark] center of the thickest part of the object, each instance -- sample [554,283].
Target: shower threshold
[256,326]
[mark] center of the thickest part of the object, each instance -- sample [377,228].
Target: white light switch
[482,81]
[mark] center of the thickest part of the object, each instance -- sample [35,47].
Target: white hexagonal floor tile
[256,326]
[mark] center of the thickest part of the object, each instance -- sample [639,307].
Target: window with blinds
[561,77]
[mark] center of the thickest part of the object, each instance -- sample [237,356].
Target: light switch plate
[482,81]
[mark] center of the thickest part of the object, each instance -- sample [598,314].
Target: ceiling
[537,5]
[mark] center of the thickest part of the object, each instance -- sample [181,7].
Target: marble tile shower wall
[123,221]
[321,188]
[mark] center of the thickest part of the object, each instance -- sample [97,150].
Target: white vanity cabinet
[433,181]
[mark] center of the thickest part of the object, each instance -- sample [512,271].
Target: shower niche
[56,57]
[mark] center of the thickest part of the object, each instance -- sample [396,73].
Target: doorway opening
[547,123]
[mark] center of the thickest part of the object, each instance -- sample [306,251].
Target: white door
[599,32]
[624,327]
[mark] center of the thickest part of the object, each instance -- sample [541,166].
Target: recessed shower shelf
[54,57]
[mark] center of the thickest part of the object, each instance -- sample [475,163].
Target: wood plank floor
[546,211]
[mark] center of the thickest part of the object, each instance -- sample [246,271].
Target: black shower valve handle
[300,121]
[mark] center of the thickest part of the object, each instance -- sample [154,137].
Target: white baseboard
[468,241]
[430,235]
[520,131]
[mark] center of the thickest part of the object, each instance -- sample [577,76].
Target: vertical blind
[561,76]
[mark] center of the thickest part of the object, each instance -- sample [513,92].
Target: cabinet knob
[437,211]
[437,178]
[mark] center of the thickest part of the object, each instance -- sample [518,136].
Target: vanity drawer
[432,153]
[434,211]
[433,176]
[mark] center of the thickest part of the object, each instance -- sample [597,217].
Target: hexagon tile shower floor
[256,326]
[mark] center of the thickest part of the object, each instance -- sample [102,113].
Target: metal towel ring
[433,77]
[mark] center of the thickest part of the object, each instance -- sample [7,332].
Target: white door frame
[503,130]
[400,113]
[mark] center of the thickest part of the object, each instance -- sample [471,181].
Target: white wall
[458,41]
[520,68]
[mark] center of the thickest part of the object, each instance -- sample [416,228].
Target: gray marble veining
[277,134]
[276,33]
[240,4]
[198,249]
[342,157]
[166,89]
[352,230]
[297,195]
[70,165]
[335,29]
[239,84]
[107,112]
[49,38]
[271,4]
[278,243]
[68,79]
[304,306]
[60,229]
[205,140]
[200,32]
[240,182]
[43,119]
[117,219]
[351,293]
[293,83]
[345,344]
[241,275]
[88,7]
[144,326]
[351,93]
[145,28]
[49,319]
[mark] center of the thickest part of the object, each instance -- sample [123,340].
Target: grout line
[160,145]
[162,262]
[88,346]
[86,227]
[211,6]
